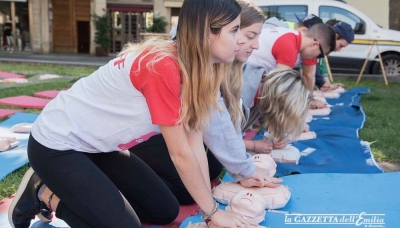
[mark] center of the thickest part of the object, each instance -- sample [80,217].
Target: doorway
[83,28]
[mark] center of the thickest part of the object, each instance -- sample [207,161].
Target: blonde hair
[201,79]
[232,84]
[231,88]
[283,104]
[250,13]
[158,47]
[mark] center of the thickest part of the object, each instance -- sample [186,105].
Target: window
[330,12]
[286,12]
[267,11]
[21,20]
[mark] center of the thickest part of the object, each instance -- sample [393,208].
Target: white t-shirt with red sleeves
[114,108]
[277,45]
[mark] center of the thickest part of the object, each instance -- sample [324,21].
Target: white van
[351,58]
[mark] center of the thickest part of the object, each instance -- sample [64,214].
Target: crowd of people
[149,130]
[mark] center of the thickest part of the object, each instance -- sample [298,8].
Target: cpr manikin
[274,198]
[7,143]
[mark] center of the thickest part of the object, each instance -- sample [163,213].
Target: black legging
[154,152]
[103,189]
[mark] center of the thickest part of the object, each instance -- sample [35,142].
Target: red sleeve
[310,62]
[161,87]
[285,49]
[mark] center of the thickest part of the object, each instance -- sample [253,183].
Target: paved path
[90,60]
[389,167]
[63,59]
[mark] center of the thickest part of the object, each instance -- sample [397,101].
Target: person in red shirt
[222,152]
[77,147]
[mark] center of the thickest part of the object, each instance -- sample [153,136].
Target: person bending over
[78,144]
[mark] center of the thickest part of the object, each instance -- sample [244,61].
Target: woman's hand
[260,178]
[328,86]
[281,144]
[316,104]
[229,219]
[262,146]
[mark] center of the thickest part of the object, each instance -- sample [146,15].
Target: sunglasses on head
[321,55]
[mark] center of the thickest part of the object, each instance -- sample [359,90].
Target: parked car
[351,58]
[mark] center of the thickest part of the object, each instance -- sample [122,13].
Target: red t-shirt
[286,48]
[160,84]
[309,62]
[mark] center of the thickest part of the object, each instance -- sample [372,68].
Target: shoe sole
[21,189]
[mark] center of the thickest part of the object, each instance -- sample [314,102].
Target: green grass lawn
[382,107]
[382,126]
[10,183]
[30,70]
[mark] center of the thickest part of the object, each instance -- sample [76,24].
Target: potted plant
[158,25]
[157,28]
[102,36]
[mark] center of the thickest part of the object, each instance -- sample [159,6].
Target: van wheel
[391,63]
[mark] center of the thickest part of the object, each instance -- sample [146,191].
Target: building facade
[66,26]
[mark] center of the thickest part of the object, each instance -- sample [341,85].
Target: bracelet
[254,145]
[205,216]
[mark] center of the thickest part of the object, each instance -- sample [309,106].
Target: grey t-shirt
[221,137]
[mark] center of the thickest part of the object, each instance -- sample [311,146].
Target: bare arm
[186,163]
[259,146]
[249,144]
[309,76]
[196,143]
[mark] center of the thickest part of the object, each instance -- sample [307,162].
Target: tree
[102,36]
[158,26]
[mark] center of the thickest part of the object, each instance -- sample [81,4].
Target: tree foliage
[102,36]
[158,26]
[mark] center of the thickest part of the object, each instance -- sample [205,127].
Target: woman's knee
[166,215]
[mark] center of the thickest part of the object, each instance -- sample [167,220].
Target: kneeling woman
[78,143]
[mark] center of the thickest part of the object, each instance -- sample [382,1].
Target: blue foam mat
[15,158]
[56,223]
[332,193]
[370,199]
[338,147]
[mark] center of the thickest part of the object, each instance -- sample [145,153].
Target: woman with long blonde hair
[227,146]
[77,147]
[224,139]
[227,149]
